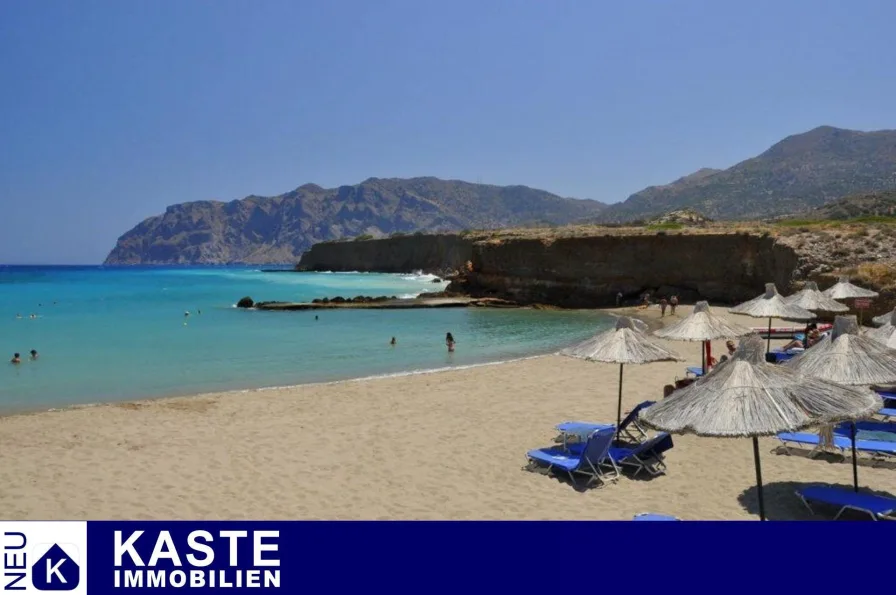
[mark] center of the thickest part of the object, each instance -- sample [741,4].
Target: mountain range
[278,229]
[797,174]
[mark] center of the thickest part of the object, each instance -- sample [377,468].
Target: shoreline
[21,411]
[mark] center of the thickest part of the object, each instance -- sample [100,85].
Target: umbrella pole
[855,467]
[619,404]
[703,356]
[758,478]
[768,344]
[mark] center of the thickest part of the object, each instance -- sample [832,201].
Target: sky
[112,110]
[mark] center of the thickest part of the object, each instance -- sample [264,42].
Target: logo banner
[411,556]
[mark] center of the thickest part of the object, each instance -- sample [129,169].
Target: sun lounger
[878,507]
[867,426]
[651,516]
[646,456]
[591,460]
[887,412]
[841,443]
[695,370]
[584,429]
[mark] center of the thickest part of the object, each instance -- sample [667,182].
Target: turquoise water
[110,333]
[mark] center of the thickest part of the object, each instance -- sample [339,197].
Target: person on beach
[15,359]
[618,299]
[663,305]
[731,347]
[34,354]
[673,301]
[449,341]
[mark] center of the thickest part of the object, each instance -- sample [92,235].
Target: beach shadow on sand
[581,484]
[782,503]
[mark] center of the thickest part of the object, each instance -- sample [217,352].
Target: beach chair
[628,427]
[645,456]
[887,412]
[592,460]
[841,443]
[651,516]
[878,507]
[867,426]
[695,370]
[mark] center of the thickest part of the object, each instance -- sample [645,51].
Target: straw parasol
[848,358]
[748,397]
[702,325]
[883,334]
[844,290]
[770,305]
[885,318]
[620,345]
[810,298]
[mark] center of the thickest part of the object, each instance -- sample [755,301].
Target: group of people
[449,341]
[672,302]
[17,359]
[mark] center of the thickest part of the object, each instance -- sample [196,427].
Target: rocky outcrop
[578,271]
[430,253]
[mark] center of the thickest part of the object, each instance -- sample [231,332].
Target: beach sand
[447,445]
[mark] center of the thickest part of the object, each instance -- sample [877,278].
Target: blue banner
[294,556]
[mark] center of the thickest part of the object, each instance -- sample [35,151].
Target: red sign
[863,303]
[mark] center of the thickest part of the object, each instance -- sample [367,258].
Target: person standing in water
[392,342]
[16,359]
[34,354]
[449,341]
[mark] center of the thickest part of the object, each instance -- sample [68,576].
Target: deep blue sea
[120,333]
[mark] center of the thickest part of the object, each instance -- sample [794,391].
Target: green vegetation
[363,237]
[665,226]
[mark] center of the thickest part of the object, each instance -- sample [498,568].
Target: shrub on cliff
[245,302]
[363,237]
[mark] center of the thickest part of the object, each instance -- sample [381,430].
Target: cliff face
[393,255]
[589,271]
[579,271]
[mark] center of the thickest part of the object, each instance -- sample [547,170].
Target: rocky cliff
[431,253]
[585,271]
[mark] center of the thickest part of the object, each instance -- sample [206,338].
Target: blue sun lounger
[841,443]
[584,429]
[651,516]
[887,412]
[591,458]
[878,507]
[695,370]
[646,456]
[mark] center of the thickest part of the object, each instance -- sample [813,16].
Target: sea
[108,334]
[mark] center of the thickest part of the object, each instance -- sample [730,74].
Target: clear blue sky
[111,110]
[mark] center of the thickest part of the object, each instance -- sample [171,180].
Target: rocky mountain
[278,229]
[798,173]
[872,204]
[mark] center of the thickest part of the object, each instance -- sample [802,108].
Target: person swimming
[34,354]
[449,341]
[16,359]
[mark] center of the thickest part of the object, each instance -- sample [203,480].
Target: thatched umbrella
[811,298]
[844,290]
[621,345]
[883,334]
[702,325]
[885,318]
[748,397]
[848,358]
[770,305]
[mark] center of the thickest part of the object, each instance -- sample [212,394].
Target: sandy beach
[447,445]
